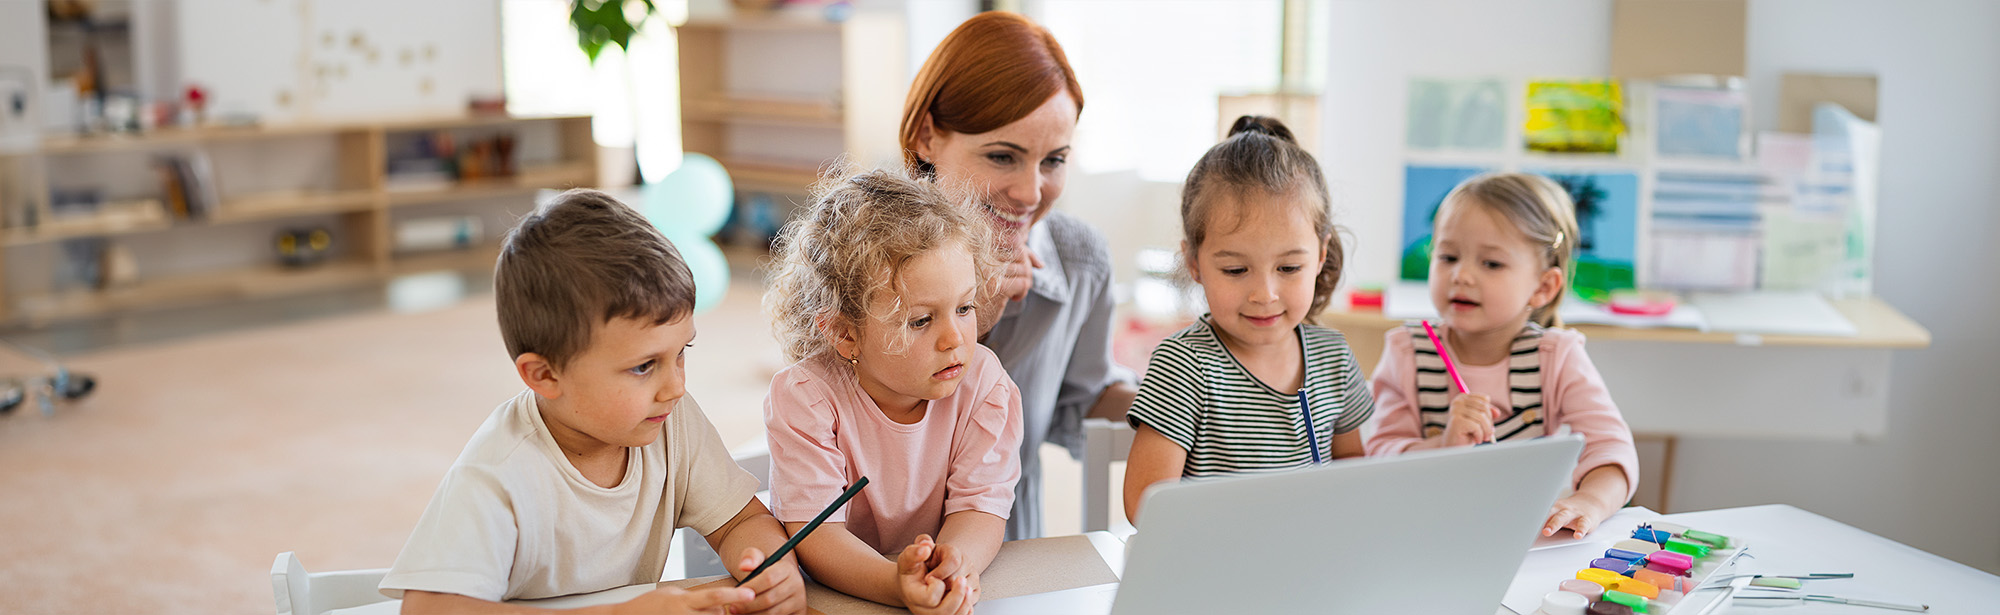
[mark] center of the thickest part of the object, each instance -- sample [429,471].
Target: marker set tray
[1652,572]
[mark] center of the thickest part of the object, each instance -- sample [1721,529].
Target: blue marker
[1312,435]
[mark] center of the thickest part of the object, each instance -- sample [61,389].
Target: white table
[1783,539]
[1788,541]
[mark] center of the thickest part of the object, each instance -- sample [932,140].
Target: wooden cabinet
[777,99]
[331,176]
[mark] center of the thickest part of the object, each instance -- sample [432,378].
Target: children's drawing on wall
[1578,117]
[1700,122]
[1468,115]
[1424,188]
[1607,217]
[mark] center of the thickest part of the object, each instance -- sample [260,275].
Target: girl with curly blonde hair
[875,293]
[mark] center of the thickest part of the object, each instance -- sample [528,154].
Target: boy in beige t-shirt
[576,484]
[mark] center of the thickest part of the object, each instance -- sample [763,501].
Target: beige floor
[171,489]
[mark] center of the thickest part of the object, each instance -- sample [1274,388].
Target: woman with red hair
[993,110]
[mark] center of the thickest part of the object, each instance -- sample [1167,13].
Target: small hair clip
[1558,242]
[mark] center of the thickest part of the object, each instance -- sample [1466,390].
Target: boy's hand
[1471,420]
[913,578]
[780,590]
[1580,512]
[683,602]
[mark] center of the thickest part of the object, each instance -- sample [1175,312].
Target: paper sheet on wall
[1469,115]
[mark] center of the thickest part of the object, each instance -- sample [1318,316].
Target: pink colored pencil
[1448,367]
[1442,354]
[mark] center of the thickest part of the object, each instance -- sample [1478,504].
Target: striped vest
[1524,378]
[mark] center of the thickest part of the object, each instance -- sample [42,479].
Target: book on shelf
[187,184]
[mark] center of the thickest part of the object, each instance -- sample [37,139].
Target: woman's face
[1018,169]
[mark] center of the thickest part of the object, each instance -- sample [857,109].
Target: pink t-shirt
[1573,394]
[826,432]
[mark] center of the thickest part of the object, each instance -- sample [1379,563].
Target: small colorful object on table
[1600,576]
[1605,607]
[1689,547]
[1714,540]
[1612,564]
[1636,546]
[1635,602]
[1669,562]
[1635,587]
[1631,556]
[1651,535]
[1583,588]
[1658,579]
[1777,582]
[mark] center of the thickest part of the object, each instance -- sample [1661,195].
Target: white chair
[316,593]
[1104,442]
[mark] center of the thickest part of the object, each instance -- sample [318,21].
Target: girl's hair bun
[1262,124]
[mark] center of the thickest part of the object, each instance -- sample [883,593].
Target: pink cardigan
[1573,394]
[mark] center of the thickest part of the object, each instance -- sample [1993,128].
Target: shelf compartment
[193,289]
[115,218]
[288,204]
[530,179]
[766,110]
[477,257]
[761,174]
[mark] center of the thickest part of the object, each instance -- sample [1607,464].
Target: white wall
[299,60]
[24,43]
[1929,482]
[1932,481]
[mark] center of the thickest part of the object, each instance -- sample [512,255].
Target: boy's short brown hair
[584,256]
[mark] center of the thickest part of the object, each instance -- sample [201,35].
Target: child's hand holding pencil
[1471,420]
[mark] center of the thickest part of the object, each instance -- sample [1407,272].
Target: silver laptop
[1427,532]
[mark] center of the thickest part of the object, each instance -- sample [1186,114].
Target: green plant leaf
[598,22]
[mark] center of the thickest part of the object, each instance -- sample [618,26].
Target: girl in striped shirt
[1250,387]
[1503,244]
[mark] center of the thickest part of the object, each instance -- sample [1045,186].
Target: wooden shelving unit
[775,137]
[360,199]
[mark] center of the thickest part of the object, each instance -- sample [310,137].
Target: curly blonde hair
[851,243]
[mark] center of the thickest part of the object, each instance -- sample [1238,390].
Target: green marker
[1717,540]
[1692,549]
[1635,601]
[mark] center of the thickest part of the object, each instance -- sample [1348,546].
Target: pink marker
[1442,354]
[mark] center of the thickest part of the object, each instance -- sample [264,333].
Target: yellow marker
[1635,587]
[1600,576]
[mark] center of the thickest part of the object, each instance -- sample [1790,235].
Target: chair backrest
[1105,443]
[302,593]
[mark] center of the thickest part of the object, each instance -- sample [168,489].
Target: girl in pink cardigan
[1502,247]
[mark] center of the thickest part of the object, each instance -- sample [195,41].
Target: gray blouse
[1056,344]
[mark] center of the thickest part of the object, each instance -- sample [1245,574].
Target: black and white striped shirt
[1199,396]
